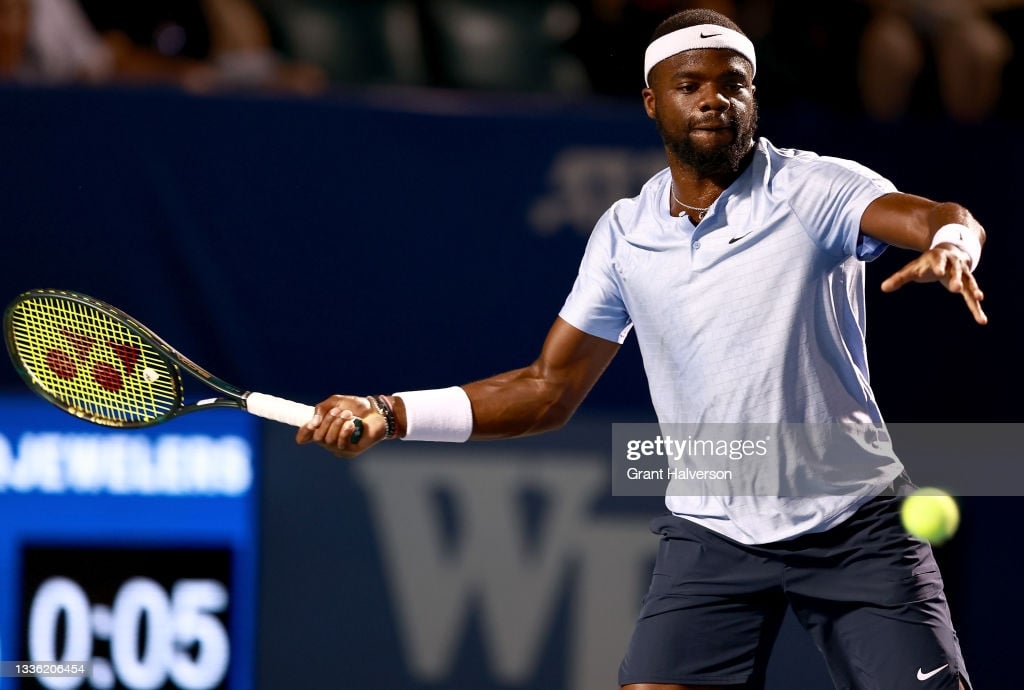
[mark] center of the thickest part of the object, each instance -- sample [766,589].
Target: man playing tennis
[741,269]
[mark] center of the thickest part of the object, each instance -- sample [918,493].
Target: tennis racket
[97,363]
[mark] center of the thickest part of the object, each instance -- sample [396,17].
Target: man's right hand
[332,426]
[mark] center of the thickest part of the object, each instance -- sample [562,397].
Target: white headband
[696,38]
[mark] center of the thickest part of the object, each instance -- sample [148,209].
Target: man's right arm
[536,398]
[544,395]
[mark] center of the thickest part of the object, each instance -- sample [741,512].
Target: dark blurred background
[320,196]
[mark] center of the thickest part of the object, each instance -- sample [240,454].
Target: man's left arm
[947,235]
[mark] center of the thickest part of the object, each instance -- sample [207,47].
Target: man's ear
[650,104]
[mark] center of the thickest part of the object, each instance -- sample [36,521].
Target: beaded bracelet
[380,404]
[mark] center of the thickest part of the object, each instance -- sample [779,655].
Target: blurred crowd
[200,45]
[884,58]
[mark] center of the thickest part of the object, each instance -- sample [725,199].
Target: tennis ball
[930,514]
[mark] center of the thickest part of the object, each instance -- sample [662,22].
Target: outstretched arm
[537,398]
[911,222]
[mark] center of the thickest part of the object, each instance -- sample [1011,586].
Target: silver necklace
[701,212]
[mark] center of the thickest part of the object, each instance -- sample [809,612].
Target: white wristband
[444,414]
[963,237]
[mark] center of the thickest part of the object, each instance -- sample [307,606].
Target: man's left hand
[946,264]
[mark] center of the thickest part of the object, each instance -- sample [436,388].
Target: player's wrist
[443,414]
[383,407]
[963,238]
[398,407]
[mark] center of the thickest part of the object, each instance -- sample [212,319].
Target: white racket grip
[279,409]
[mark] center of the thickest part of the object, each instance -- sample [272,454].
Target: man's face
[703,103]
[13,32]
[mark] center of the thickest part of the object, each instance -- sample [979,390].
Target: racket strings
[92,363]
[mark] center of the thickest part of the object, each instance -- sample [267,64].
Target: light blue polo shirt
[755,315]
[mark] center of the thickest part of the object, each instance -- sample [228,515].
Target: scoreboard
[132,552]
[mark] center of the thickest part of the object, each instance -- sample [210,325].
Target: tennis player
[741,269]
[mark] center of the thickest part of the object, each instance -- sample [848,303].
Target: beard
[723,160]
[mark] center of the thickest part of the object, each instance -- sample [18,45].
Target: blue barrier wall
[378,241]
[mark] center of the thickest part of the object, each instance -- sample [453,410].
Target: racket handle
[279,409]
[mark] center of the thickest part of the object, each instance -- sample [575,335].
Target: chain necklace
[701,212]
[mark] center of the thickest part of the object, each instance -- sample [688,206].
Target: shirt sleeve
[595,304]
[829,197]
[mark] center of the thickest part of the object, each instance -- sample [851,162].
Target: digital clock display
[143,617]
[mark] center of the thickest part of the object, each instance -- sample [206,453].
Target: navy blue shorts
[870,596]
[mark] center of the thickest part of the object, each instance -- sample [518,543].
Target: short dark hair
[694,17]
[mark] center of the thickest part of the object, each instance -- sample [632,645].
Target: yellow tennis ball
[930,514]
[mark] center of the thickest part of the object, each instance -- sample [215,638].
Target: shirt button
[696,245]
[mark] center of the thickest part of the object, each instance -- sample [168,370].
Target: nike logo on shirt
[921,675]
[740,237]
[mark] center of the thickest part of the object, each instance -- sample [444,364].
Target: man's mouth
[712,130]
[715,126]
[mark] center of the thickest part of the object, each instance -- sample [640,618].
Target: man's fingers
[975,306]
[973,296]
[307,431]
[962,281]
[971,286]
[979,314]
[955,282]
[893,283]
[953,274]
[907,274]
[327,430]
